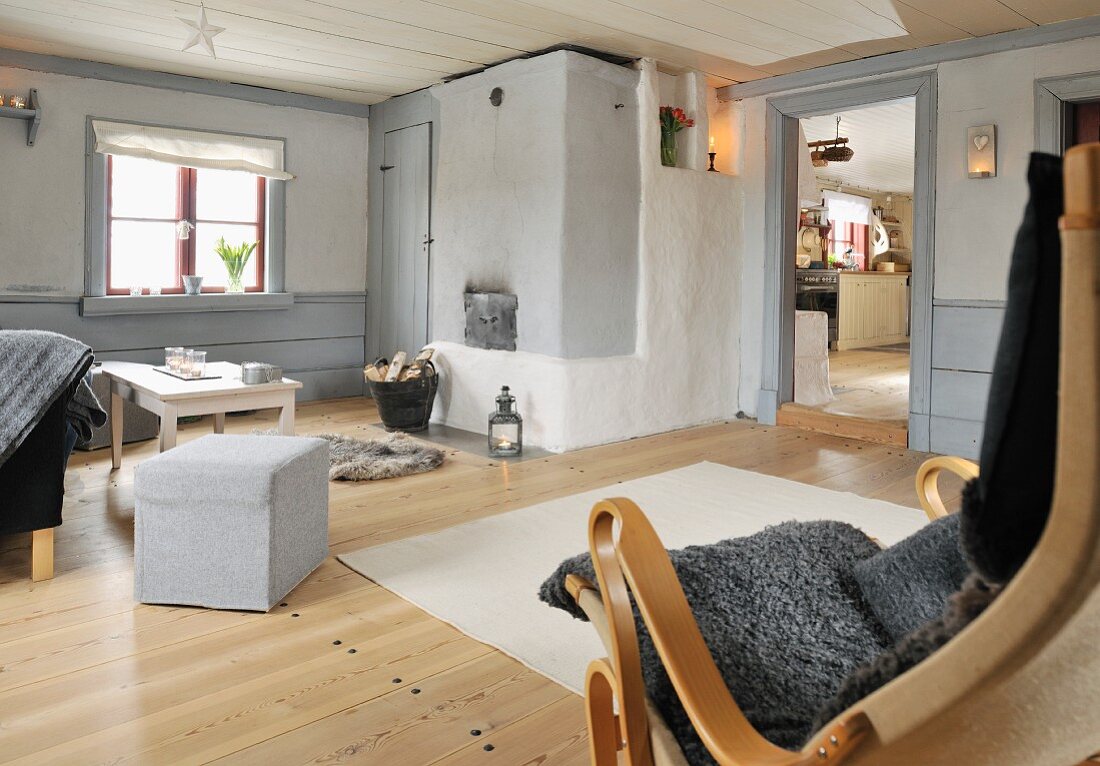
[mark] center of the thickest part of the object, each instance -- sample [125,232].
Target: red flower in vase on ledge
[673,120]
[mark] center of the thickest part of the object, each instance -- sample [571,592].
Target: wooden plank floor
[88,676]
[872,398]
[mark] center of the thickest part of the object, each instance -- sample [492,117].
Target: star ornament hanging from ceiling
[202,33]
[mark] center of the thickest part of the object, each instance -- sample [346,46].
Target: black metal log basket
[406,405]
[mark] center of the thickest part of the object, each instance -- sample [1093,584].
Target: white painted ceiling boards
[882,137]
[366,50]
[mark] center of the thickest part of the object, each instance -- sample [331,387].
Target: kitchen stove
[819,290]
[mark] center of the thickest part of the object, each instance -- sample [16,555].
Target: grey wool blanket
[85,412]
[36,368]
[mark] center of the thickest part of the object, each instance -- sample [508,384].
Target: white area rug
[483,577]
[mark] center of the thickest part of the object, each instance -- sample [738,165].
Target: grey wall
[539,197]
[320,338]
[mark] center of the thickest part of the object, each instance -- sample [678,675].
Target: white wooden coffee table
[172,398]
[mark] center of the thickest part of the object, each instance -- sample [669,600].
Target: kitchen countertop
[877,273]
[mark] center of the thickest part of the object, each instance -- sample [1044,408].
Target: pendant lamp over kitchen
[838,152]
[830,150]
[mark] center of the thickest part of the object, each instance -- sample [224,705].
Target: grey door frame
[781,211]
[1053,97]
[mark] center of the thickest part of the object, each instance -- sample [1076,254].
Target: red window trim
[186,197]
[854,235]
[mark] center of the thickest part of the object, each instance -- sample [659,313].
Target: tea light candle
[17,102]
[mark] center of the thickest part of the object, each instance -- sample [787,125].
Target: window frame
[186,207]
[96,229]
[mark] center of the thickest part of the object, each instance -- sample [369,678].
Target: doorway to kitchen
[831,236]
[853,262]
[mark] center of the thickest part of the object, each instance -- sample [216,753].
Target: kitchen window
[846,234]
[159,199]
[163,221]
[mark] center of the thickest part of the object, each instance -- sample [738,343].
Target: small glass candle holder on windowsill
[136,291]
[505,427]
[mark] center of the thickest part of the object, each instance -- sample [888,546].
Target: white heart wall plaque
[981,142]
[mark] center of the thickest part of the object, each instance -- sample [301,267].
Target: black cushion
[32,479]
[908,584]
[1005,509]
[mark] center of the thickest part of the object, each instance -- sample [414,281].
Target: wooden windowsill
[118,305]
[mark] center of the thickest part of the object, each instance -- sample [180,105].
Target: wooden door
[1085,124]
[406,240]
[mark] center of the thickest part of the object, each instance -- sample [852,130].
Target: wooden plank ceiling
[883,139]
[367,50]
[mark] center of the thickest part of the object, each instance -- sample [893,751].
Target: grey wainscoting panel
[957,394]
[302,321]
[318,340]
[956,436]
[330,384]
[965,337]
[291,355]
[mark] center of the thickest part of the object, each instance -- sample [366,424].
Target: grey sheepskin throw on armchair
[783,617]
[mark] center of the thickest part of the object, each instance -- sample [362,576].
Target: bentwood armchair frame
[1021,684]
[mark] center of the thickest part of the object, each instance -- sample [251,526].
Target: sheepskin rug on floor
[483,577]
[393,455]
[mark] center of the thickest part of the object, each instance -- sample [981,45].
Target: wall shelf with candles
[32,113]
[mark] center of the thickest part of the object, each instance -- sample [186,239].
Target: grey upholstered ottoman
[230,522]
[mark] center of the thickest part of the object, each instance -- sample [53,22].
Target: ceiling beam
[40,62]
[1060,32]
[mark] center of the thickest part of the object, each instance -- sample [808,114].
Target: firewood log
[395,367]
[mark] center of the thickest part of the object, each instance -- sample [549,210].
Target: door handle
[428,241]
[384,168]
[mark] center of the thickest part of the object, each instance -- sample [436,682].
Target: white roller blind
[192,148]
[848,208]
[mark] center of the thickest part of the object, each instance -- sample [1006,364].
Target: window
[158,200]
[150,204]
[846,234]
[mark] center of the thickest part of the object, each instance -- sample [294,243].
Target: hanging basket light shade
[837,153]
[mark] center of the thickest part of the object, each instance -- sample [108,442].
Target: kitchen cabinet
[873,309]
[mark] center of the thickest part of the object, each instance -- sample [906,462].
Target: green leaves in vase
[235,258]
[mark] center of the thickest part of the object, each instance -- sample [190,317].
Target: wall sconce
[981,151]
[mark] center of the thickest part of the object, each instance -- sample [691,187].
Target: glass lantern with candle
[505,427]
